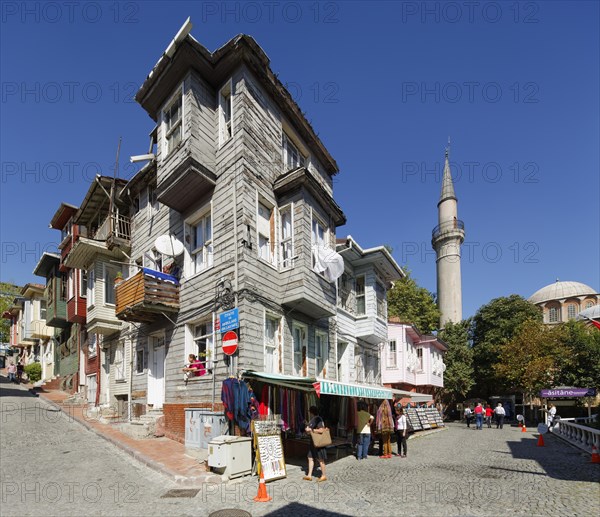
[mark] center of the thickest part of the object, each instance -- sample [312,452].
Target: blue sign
[229,320]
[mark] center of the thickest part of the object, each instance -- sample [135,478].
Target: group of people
[387,422]
[15,372]
[480,414]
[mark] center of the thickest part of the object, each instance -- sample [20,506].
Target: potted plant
[118,278]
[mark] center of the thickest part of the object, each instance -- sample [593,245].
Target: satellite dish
[169,245]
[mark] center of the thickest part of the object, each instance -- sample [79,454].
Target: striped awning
[352,390]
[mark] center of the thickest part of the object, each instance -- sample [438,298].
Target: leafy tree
[7,295]
[413,304]
[458,377]
[534,358]
[34,372]
[583,346]
[494,325]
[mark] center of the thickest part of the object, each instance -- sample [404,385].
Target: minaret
[446,239]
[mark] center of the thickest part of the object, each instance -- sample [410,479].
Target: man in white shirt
[500,413]
[551,415]
[401,432]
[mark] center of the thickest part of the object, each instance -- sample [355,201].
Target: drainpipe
[129,401]
[235,267]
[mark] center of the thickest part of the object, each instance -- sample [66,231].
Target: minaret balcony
[448,227]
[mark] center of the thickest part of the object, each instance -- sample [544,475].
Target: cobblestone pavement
[51,465]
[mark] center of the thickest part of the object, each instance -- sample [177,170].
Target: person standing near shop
[364,425]
[315,425]
[500,413]
[12,372]
[488,415]
[479,412]
[468,415]
[401,432]
[551,415]
[385,425]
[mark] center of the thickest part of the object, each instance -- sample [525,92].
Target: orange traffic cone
[262,496]
[541,441]
[523,429]
[595,455]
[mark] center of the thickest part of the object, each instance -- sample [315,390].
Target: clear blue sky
[515,86]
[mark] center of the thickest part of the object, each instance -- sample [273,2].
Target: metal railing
[447,226]
[115,225]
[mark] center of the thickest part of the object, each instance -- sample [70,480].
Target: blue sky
[514,85]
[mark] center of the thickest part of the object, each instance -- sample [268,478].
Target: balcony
[448,227]
[371,329]
[310,294]
[37,329]
[56,314]
[112,236]
[145,295]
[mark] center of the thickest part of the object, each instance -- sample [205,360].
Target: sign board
[230,343]
[270,453]
[542,428]
[568,392]
[229,320]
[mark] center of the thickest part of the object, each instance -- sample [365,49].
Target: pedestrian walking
[479,412]
[401,432]
[20,369]
[468,415]
[385,425]
[12,372]
[315,425]
[551,415]
[500,414]
[488,415]
[364,425]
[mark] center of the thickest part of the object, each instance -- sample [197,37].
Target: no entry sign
[230,342]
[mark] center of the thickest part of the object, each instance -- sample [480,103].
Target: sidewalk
[161,454]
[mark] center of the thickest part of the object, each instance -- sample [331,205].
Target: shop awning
[414,397]
[352,390]
[287,381]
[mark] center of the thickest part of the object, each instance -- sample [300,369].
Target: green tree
[458,377]
[413,304]
[7,295]
[534,358]
[583,345]
[493,325]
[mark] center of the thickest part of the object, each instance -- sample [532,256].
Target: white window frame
[380,299]
[92,342]
[153,259]
[420,360]
[143,348]
[316,224]
[276,344]
[70,284]
[91,290]
[82,291]
[359,363]
[91,382]
[392,355]
[43,312]
[119,361]
[206,250]
[152,206]
[362,296]
[571,311]
[168,148]
[226,113]
[192,341]
[286,242]
[298,330]
[321,353]
[554,315]
[106,271]
[291,154]
[266,236]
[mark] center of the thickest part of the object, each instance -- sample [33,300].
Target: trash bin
[230,455]
[202,425]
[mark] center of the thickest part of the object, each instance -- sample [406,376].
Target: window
[272,344]
[344,292]
[67,230]
[341,361]
[110,274]
[589,304]
[71,284]
[172,126]
[571,311]
[321,353]
[42,309]
[318,237]
[392,357]
[91,290]
[135,205]
[360,366]
[153,204]
[286,236]
[141,359]
[83,283]
[265,228]
[554,315]
[299,333]
[92,340]
[119,362]
[200,341]
[92,388]
[360,295]
[420,359]
[291,156]
[380,294]
[152,260]
[63,286]
[199,239]
[225,113]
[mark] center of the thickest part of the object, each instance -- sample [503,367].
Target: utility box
[231,456]
[202,425]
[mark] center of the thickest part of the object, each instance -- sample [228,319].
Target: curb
[152,464]
[421,434]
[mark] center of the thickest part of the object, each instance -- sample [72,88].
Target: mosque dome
[560,290]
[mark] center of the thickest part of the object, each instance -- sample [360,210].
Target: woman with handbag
[315,426]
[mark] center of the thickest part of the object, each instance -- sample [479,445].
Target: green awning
[352,390]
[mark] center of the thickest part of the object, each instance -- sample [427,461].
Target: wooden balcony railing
[145,295]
